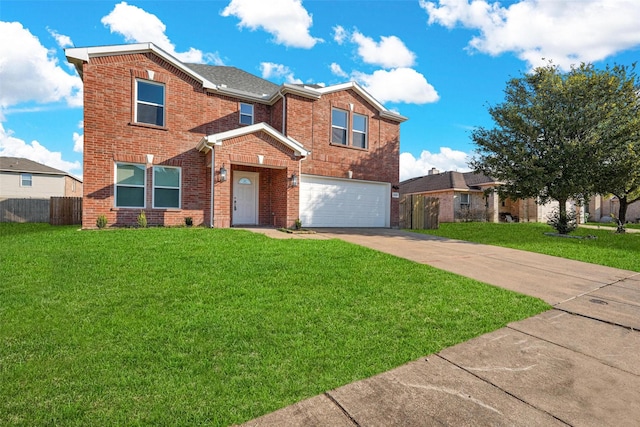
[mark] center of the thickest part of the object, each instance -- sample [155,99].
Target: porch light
[294,180]
[223,174]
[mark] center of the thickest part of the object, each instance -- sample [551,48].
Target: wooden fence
[24,210]
[419,212]
[65,211]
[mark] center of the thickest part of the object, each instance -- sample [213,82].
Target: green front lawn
[608,248]
[189,326]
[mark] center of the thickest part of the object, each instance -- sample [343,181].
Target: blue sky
[439,63]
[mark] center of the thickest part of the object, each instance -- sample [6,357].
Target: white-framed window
[246,114]
[359,131]
[130,188]
[26,180]
[464,199]
[150,101]
[166,187]
[339,126]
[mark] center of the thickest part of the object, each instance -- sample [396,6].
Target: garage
[333,202]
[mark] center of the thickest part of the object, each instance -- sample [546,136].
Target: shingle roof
[235,78]
[18,164]
[450,180]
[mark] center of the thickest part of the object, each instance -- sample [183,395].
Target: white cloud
[278,72]
[339,34]
[446,160]
[566,32]
[78,140]
[390,52]
[287,20]
[140,26]
[62,40]
[30,72]
[15,147]
[337,70]
[398,85]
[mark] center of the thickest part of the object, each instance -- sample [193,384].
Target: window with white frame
[246,114]
[339,119]
[150,101]
[26,180]
[359,131]
[130,185]
[464,199]
[166,187]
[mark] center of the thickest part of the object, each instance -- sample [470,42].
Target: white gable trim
[78,55]
[208,142]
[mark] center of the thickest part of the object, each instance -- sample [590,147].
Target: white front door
[245,198]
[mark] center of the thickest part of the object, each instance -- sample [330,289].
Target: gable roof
[21,165]
[209,141]
[226,80]
[450,180]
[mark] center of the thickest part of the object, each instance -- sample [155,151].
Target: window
[130,185]
[464,199]
[339,127]
[149,103]
[26,180]
[359,134]
[246,114]
[166,187]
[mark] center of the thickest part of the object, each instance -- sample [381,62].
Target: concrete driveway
[577,364]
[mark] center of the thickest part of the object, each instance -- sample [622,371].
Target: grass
[610,249]
[194,326]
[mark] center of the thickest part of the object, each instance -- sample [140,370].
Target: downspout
[213,181]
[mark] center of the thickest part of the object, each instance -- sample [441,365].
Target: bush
[563,223]
[188,221]
[101,222]
[142,220]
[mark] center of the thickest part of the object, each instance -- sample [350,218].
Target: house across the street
[228,148]
[26,179]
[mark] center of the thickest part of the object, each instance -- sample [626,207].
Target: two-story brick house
[227,148]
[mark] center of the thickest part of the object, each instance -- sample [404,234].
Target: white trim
[209,141]
[252,115]
[138,102]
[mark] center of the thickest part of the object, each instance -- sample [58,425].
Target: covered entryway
[245,198]
[335,202]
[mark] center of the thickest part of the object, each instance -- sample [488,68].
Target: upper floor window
[359,134]
[130,185]
[150,103]
[166,187]
[339,127]
[246,114]
[26,180]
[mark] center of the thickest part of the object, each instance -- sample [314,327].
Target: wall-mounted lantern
[223,174]
[294,180]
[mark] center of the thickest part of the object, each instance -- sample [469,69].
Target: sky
[441,63]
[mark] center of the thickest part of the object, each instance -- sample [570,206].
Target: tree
[547,140]
[619,171]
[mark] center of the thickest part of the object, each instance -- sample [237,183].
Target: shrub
[142,220]
[298,224]
[101,222]
[563,223]
[188,221]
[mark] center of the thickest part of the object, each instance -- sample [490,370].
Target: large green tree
[553,132]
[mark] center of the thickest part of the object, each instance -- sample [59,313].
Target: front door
[245,198]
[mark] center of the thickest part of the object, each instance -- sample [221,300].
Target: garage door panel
[330,202]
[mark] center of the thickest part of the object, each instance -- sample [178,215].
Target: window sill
[148,126]
[333,144]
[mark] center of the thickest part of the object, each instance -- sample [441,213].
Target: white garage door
[331,202]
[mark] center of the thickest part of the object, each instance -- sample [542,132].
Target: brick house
[228,148]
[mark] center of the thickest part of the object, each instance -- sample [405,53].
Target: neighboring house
[25,179]
[470,196]
[227,148]
[605,206]
[462,196]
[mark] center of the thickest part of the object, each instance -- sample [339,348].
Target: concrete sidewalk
[577,364]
